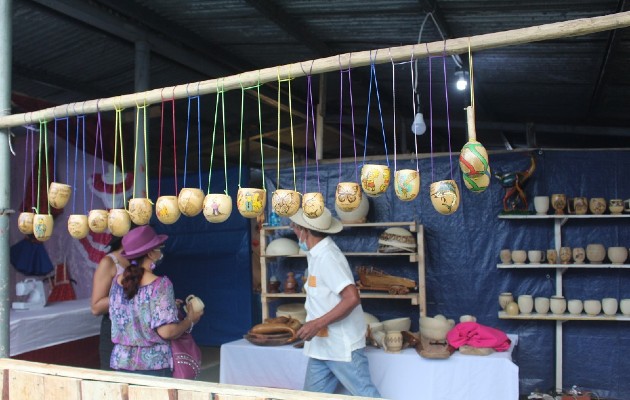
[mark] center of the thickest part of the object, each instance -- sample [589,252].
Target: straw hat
[325,223]
[140,241]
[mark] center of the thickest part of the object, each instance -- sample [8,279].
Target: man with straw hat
[335,328]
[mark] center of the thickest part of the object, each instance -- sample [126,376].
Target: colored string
[448,118]
[76,161]
[174,144]
[431,113]
[39,165]
[161,149]
[84,169]
[26,158]
[262,156]
[289,79]
[310,109]
[472,80]
[413,100]
[354,139]
[394,106]
[96,143]
[144,135]
[119,138]
[214,131]
[198,139]
[380,111]
[224,140]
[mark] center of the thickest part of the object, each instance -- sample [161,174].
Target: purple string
[33,167]
[354,140]
[76,158]
[413,101]
[313,122]
[308,105]
[448,118]
[98,138]
[186,148]
[55,154]
[380,112]
[28,135]
[83,150]
[340,115]
[431,113]
[199,139]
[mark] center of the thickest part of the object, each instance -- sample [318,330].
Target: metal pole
[5,172]
[141,79]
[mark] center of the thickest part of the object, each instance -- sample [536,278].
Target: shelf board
[410,224]
[586,265]
[564,216]
[363,295]
[565,317]
[356,254]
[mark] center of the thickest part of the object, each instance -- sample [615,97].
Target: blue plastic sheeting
[462,253]
[211,261]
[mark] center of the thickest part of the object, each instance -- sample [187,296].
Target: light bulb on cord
[462,80]
[418,127]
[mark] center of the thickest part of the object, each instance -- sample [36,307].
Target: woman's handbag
[186,356]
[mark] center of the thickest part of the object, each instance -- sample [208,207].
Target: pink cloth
[477,335]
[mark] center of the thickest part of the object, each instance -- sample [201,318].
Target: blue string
[84,184]
[76,157]
[380,114]
[199,138]
[186,148]
[367,119]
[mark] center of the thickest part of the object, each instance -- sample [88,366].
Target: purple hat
[140,241]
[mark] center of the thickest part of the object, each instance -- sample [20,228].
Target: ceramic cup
[535,256]
[617,255]
[525,303]
[592,307]
[25,222]
[624,306]
[541,305]
[558,202]
[167,210]
[467,318]
[511,308]
[196,302]
[579,255]
[407,184]
[519,256]
[393,341]
[504,299]
[552,256]
[59,194]
[506,256]
[190,201]
[217,207]
[348,196]
[597,205]
[118,221]
[140,210]
[615,206]
[78,226]
[43,226]
[577,205]
[575,306]
[445,196]
[609,305]
[541,204]
[558,304]
[595,253]
[375,179]
[251,202]
[313,204]
[285,202]
[565,255]
[97,219]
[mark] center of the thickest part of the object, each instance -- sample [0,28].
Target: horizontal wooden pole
[578,27]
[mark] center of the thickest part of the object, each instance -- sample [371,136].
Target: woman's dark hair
[132,276]
[115,243]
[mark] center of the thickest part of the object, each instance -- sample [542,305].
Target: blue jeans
[323,376]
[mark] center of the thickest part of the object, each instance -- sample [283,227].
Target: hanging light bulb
[418,127]
[462,79]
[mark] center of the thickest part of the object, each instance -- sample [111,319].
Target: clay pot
[511,308]
[558,202]
[578,255]
[59,194]
[519,256]
[445,196]
[356,216]
[592,307]
[140,210]
[558,304]
[313,204]
[552,256]
[251,202]
[565,255]
[167,210]
[535,256]
[617,255]
[504,299]
[597,205]
[541,305]
[541,204]
[190,201]
[217,207]
[348,196]
[595,252]
[196,302]
[43,226]
[78,226]
[285,202]
[407,184]
[615,206]
[624,306]
[25,222]
[525,303]
[506,256]
[575,306]
[97,220]
[118,222]
[375,179]
[609,306]
[393,341]
[577,205]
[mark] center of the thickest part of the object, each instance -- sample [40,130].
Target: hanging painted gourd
[473,159]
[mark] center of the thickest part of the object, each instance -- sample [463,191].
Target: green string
[224,141]
[262,157]
[214,131]
[135,159]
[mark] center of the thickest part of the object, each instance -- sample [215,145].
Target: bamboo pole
[577,27]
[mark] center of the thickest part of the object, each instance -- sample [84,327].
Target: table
[402,376]
[57,323]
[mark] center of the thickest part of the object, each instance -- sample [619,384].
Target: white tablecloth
[402,376]
[56,323]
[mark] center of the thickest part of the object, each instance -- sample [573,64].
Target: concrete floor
[209,364]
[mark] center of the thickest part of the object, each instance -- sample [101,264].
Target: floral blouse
[137,345]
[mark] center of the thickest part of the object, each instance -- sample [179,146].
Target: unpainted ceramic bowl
[617,254]
[369,318]
[592,307]
[397,324]
[435,328]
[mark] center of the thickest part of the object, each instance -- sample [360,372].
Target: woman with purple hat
[142,309]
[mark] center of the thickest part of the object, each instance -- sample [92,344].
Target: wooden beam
[556,30]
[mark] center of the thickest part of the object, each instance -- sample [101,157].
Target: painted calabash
[140,210]
[375,179]
[217,207]
[251,202]
[285,202]
[348,196]
[97,220]
[313,204]
[445,196]
[473,161]
[118,221]
[78,226]
[25,222]
[407,184]
[59,194]
[167,210]
[190,201]
[43,226]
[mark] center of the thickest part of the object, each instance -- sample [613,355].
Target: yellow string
[135,158]
[472,81]
[278,140]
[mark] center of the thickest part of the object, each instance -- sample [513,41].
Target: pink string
[448,118]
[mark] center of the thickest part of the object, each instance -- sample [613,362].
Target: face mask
[157,262]
[301,244]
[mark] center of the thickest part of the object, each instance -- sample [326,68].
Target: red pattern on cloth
[477,335]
